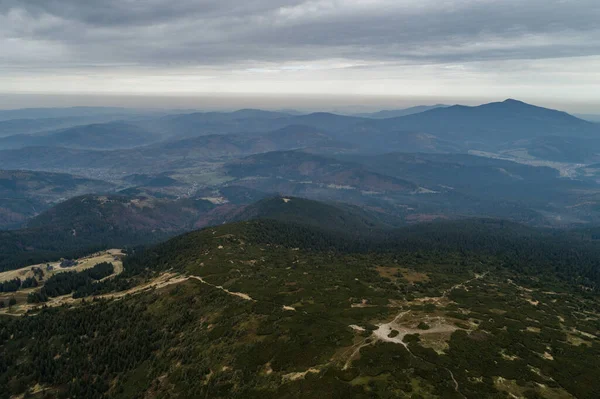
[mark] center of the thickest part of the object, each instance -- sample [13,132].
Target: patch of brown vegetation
[438,301]
[392,273]
[436,341]
[576,341]
[414,277]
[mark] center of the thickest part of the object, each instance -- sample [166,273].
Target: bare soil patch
[393,273]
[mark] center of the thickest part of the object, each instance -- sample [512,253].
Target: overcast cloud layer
[528,48]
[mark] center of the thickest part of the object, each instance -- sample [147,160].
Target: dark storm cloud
[228,32]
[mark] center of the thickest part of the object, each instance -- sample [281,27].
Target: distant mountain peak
[322,113]
[496,122]
[513,101]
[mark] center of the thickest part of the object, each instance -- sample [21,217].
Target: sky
[303,53]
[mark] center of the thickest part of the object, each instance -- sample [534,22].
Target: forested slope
[279,310]
[88,223]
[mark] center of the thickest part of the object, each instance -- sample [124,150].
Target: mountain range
[394,113]
[451,253]
[24,194]
[435,129]
[110,135]
[490,124]
[532,164]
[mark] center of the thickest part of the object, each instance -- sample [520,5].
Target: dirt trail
[299,375]
[163,280]
[383,331]
[356,351]
[463,284]
[238,294]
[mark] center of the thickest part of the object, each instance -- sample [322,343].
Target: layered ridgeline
[88,223]
[177,153]
[105,136]
[24,194]
[277,310]
[534,165]
[510,127]
[421,187]
[395,113]
[85,224]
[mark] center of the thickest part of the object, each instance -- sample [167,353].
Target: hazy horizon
[306,54]
[229,102]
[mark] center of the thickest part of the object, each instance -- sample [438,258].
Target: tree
[12,301]
[37,296]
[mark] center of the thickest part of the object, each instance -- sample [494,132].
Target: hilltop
[492,123]
[24,193]
[334,217]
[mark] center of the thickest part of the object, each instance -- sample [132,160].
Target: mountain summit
[494,122]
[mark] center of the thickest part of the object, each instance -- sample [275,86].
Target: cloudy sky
[547,51]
